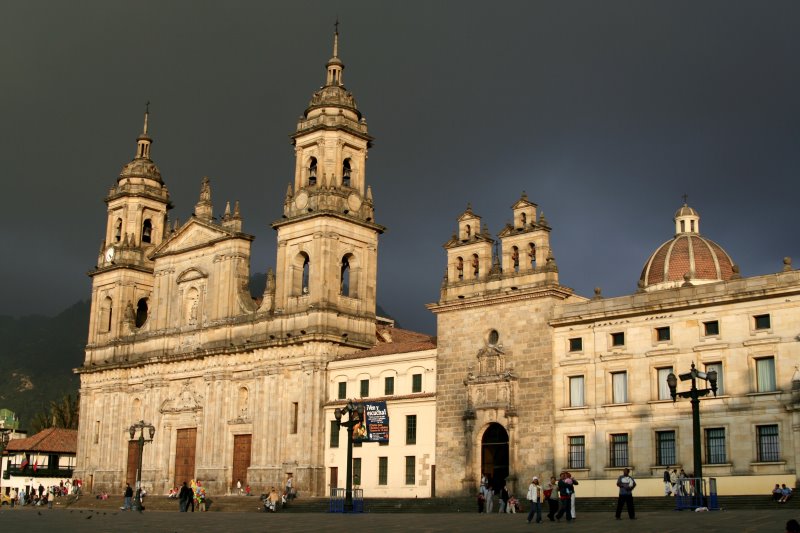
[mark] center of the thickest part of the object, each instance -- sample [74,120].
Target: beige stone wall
[521,323]
[739,409]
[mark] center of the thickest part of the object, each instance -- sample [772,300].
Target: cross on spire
[685,199]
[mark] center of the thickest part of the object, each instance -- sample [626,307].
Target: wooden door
[334,477]
[241,459]
[133,462]
[185,447]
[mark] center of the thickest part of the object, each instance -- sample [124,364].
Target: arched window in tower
[301,266]
[476,266]
[312,171]
[524,219]
[515,258]
[344,286]
[532,254]
[346,171]
[691,226]
[460,268]
[118,230]
[683,226]
[191,310]
[468,231]
[141,312]
[106,310]
[147,231]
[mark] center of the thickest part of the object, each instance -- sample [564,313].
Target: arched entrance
[494,455]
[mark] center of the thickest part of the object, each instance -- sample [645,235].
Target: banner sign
[376,424]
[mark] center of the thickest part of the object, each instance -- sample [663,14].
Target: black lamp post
[355,414]
[694,394]
[141,426]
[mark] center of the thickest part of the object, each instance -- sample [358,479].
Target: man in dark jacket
[184,497]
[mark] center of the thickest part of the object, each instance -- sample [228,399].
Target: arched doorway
[494,455]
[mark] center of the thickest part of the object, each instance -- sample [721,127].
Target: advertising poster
[376,424]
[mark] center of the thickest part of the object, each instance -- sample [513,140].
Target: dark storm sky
[604,112]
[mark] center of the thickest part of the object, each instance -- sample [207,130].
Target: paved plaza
[35,521]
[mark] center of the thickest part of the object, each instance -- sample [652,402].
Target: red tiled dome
[703,259]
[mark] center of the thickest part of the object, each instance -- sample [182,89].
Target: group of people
[192,495]
[559,494]
[781,493]
[677,483]
[41,495]
[274,500]
[507,503]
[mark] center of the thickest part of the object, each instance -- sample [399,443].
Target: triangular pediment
[195,233]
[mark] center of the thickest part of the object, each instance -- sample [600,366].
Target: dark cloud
[604,112]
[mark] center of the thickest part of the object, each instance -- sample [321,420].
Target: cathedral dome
[687,257]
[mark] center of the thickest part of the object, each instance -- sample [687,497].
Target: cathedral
[524,377]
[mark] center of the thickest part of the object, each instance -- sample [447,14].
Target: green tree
[62,413]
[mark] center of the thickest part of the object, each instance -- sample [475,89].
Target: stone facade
[235,386]
[579,384]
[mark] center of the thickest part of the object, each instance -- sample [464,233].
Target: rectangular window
[411,429]
[294,416]
[342,390]
[715,446]
[388,386]
[618,339]
[768,448]
[619,387]
[357,443]
[762,322]
[711,328]
[619,450]
[383,470]
[416,383]
[663,388]
[97,432]
[662,334]
[576,398]
[717,367]
[364,388]
[576,344]
[765,374]
[665,448]
[411,462]
[577,452]
[334,443]
[356,470]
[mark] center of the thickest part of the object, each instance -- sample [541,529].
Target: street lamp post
[694,394]
[141,426]
[355,414]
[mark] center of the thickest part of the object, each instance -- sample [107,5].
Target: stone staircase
[244,504]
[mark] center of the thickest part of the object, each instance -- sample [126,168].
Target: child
[512,504]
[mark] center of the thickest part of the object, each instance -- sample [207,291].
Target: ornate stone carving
[187,400]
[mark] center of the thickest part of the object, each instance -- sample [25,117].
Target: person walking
[535,497]
[184,497]
[238,487]
[564,495]
[551,495]
[489,497]
[572,482]
[626,484]
[126,506]
[673,478]
[667,483]
[503,500]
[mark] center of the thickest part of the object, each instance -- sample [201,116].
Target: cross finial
[147,106]
[685,199]
[336,24]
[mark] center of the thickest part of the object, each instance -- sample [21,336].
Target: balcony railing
[59,472]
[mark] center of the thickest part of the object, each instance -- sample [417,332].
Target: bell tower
[136,224]
[327,238]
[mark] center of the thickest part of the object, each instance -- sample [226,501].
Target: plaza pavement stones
[35,520]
